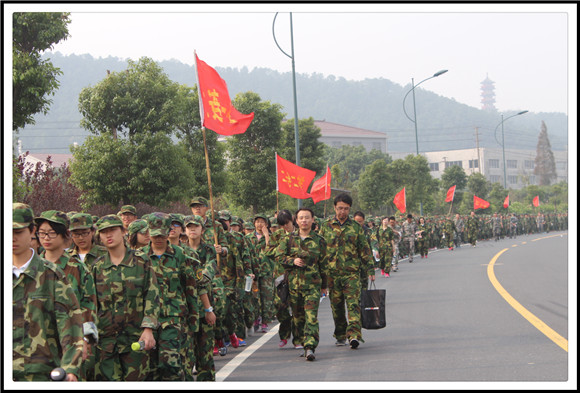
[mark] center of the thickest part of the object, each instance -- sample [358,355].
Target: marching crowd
[155,298]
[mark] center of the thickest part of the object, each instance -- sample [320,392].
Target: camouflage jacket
[275,239]
[385,238]
[177,278]
[312,250]
[265,265]
[232,264]
[347,248]
[127,300]
[472,224]
[90,258]
[81,281]
[423,231]
[449,227]
[409,229]
[47,322]
[207,258]
[244,257]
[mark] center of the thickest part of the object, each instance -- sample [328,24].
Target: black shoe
[310,355]
[354,343]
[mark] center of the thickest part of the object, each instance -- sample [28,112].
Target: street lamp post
[296,141]
[414,119]
[503,144]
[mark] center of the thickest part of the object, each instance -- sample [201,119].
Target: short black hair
[60,229]
[392,218]
[343,198]
[359,213]
[284,217]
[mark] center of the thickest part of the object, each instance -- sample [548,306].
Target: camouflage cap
[194,219]
[261,215]
[273,221]
[22,215]
[177,218]
[198,201]
[225,215]
[138,225]
[236,221]
[81,221]
[109,221]
[70,214]
[95,219]
[159,224]
[249,225]
[128,209]
[55,216]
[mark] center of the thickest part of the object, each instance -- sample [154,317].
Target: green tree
[545,166]
[150,169]
[496,197]
[413,173]
[33,78]
[478,185]
[140,99]
[453,175]
[375,186]
[352,160]
[191,139]
[252,165]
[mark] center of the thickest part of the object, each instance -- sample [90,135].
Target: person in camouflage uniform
[85,251]
[53,230]
[396,239]
[128,214]
[449,232]
[287,328]
[360,218]
[303,254]
[46,317]
[497,225]
[204,338]
[472,228]
[422,238]
[138,234]
[234,272]
[260,239]
[459,229]
[177,278]
[128,305]
[347,250]
[385,236]
[409,229]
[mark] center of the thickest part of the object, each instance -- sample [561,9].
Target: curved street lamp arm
[274,35]
[405,110]
[502,121]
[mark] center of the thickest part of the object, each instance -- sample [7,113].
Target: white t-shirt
[17,271]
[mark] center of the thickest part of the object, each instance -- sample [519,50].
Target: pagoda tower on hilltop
[487,94]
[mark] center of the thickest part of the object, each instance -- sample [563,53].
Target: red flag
[216,109]
[536,201]
[320,190]
[401,201]
[506,202]
[450,194]
[292,179]
[479,203]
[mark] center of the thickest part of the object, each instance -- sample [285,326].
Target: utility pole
[477,147]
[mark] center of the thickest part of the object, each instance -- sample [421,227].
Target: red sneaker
[234,340]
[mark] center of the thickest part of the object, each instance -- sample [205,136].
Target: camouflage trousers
[87,370]
[472,237]
[283,316]
[219,302]
[266,286]
[410,247]
[423,246]
[204,340]
[344,291]
[127,366]
[232,312]
[168,358]
[304,303]
[448,241]
[246,317]
[386,260]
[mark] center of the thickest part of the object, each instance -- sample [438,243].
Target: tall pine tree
[545,166]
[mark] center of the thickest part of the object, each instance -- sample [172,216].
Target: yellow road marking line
[535,321]
[547,237]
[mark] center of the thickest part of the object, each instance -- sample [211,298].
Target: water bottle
[138,346]
[248,286]
[58,374]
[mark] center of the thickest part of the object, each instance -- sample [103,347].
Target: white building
[489,162]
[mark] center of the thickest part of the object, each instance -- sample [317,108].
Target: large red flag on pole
[479,203]
[506,202]
[320,190]
[292,179]
[216,109]
[450,194]
[536,201]
[400,201]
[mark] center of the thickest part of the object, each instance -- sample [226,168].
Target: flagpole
[215,236]
[276,160]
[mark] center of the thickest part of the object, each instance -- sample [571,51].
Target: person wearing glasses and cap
[128,305]
[42,338]
[128,214]
[83,235]
[53,233]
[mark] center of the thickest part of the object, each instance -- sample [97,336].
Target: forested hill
[373,104]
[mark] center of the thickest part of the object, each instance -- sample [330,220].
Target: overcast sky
[524,49]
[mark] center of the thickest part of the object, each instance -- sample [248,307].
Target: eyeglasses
[76,235]
[176,225]
[50,235]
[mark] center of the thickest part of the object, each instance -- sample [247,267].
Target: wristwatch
[210,309]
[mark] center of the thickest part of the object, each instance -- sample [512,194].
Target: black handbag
[372,306]
[282,288]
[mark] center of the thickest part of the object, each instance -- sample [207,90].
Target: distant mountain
[373,104]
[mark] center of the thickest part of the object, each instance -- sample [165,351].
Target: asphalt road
[446,322]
